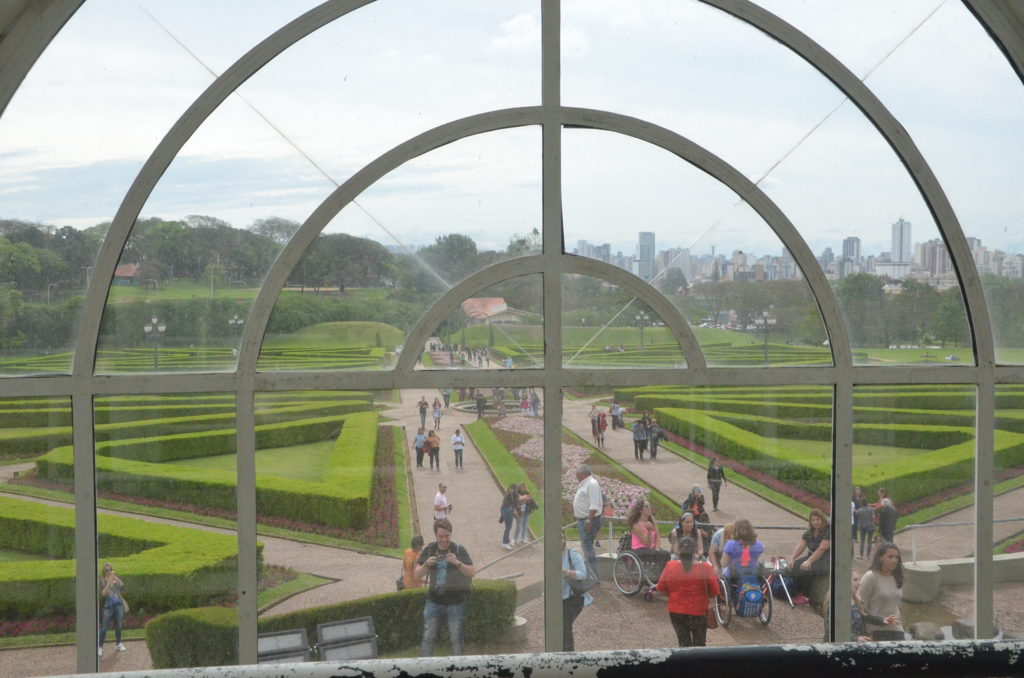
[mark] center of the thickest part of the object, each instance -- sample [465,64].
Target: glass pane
[37,536]
[501,326]
[773,452]
[748,297]
[367,497]
[44,271]
[1008,512]
[913,474]
[374,271]
[159,457]
[604,325]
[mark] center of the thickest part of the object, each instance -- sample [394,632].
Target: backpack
[749,598]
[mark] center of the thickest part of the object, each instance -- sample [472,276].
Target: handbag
[589,581]
[124,602]
[712,616]
[400,582]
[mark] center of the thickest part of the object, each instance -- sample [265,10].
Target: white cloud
[521,33]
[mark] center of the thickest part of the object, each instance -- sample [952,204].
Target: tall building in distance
[645,255]
[851,248]
[901,248]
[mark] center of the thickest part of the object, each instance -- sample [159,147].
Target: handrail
[960,523]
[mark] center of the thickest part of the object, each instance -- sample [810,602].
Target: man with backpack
[449,572]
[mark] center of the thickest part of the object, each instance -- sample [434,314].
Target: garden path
[472,489]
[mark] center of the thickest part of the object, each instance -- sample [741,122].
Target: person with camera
[114,607]
[449,572]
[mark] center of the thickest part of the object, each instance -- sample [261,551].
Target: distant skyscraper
[645,255]
[851,248]
[901,250]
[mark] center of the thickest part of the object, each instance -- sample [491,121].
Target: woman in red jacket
[688,585]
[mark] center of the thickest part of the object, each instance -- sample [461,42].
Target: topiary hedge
[209,636]
[164,567]
[342,499]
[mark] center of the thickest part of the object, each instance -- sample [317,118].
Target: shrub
[397,618]
[163,566]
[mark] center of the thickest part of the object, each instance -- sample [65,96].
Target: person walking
[616,410]
[422,407]
[409,580]
[433,448]
[881,591]
[526,506]
[887,517]
[535,403]
[446,393]
[865,519]
[442,509]
[481,404]
[114,607]
[639,440]
[716,479]
[449,572]
[689,585]
[509,509]
[573,569]
[419,443]
[653,437]
[586,507]
[458,442]
[437,408]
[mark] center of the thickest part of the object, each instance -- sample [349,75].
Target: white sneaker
[507,546]
[121,647]
[100,652]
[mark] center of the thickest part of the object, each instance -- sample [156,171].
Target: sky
[113,81]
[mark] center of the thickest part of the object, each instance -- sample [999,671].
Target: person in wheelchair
[741,556]
[645,538]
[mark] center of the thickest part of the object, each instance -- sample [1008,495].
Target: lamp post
[48,286]
[236,323]
[154,330]
[641,321]
[765,322]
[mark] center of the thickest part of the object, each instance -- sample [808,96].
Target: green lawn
[862,454]
[184,289]
[302,462]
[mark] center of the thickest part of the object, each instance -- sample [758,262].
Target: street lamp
[154,330]
[766,323]
[236,323]
[48,286]
[641,321]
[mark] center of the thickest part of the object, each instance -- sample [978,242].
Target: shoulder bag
[581,586]
[712,616]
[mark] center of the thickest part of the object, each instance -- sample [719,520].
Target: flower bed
[527,443]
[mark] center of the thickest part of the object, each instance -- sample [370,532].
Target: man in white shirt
[586,507]
[458,442]
[441,506]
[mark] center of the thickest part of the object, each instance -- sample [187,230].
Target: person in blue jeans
[509,510]
[111,588]
[586,507]
[449,572]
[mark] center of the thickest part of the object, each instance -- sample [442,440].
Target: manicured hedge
[164,567]
[341,500]
[209,636]
[908,478]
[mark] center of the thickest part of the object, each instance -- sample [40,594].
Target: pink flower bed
[619,494]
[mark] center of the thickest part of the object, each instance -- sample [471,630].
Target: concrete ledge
[924,577]
[922,581]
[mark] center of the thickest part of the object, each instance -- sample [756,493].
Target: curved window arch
[840,383]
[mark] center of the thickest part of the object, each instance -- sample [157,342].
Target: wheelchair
[633,572]
[729,602]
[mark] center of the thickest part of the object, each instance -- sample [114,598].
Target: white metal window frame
[33,30]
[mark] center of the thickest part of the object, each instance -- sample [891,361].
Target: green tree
[862,300]
[673,282]
[949,324]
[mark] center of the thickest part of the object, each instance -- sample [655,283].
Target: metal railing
[962,523]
